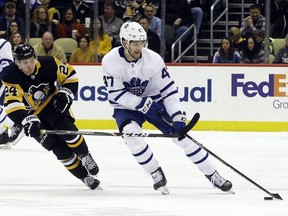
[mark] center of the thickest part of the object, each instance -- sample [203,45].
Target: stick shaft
[277,196]
[188,127]
[99,133]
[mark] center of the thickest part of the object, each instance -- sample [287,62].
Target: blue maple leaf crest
[135,86]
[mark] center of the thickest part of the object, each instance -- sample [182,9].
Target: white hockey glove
[31,126]
[63,100]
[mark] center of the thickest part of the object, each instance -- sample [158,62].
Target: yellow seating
[271,58]
[34,41]
[68,45]
[278,44]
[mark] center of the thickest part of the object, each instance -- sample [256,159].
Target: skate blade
[164,190]
[230,191]
[14,142]
[99,187]
[5,146]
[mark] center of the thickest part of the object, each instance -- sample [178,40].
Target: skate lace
[157,176]
[14,131]
[217,180]
[88,162]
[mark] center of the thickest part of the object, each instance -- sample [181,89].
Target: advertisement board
[227,97]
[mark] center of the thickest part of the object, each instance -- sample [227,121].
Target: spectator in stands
[111,24]
[49,48]
[153,39]
[81,11]
[282,55]
[12,27]
[234,35]
[278,17]
[178,17]
[68,24]
[53,13]
[197,13]
[226,53]
[217,8]
[260,38]
[20,7]
[83,53]
[118,4]
[16,38]
[154,22]
[104,44]
[140,5]
[9,15]
[252,52]
[41,23]
[253,22]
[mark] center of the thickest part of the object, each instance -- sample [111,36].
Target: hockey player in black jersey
[33,99]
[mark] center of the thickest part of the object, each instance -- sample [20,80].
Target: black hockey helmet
[23,51]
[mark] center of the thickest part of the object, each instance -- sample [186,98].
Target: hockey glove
[152,109]
[63,100]
[31,126]
[179,121]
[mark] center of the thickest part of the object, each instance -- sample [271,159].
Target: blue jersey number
[165,73]
[108,81]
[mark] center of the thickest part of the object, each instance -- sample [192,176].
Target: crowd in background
[51,20]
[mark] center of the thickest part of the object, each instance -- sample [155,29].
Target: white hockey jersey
[128,82]
[6,56]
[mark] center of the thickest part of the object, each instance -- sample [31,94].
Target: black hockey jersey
[26,95]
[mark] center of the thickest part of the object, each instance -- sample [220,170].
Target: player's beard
[136,55]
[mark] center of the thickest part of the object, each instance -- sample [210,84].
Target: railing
[179,43]
[225,12]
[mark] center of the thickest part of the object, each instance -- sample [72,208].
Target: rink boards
[232,98]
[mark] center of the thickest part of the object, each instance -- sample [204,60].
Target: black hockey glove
[179,122]
[31,126]
[63,100]
[152,109]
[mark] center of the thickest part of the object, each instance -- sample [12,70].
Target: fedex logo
[275,86]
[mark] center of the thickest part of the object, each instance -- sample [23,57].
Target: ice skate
[91,182]
[219,182]
[160,181]
[4,140]
[89,163]
[16,134]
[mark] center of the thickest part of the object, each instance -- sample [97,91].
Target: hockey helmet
[132,31]
[23,51]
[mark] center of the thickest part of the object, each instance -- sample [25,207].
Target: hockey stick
[274,195]
[188,127]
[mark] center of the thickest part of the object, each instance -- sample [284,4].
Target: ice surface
[33,182]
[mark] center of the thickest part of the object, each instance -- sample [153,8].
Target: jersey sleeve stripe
[3,44]
[120,95]
[170,94]
[167,86]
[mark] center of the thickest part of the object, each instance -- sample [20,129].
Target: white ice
[33,182]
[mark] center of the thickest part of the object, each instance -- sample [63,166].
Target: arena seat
[68,44]
[34,41]
[278,44]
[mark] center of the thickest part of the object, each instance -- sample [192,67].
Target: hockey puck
[268,198]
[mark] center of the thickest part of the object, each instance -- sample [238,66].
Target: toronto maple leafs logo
[135,86]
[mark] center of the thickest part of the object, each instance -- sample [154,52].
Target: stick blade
[190,125]
[276,196]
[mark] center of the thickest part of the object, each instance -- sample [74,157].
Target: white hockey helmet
[132,31]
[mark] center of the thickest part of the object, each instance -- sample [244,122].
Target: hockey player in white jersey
[16,134]
[140,88]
